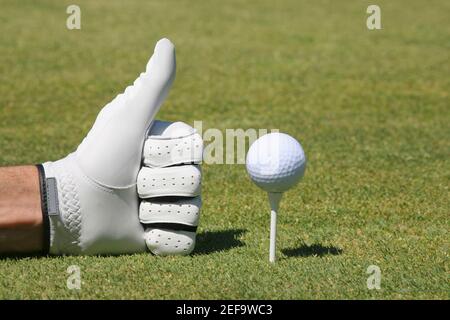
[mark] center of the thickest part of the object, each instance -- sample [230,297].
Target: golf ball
[276,162]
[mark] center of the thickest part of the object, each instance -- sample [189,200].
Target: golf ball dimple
[276,162]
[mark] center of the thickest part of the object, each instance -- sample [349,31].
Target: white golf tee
[274,199]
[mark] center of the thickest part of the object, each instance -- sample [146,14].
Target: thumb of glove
[112,151]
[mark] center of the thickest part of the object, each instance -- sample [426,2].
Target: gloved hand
[90,200]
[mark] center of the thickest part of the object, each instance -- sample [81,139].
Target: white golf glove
[90,198]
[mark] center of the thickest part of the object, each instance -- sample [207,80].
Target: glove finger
[172,143]
[140,102]
[182,181]
[164,242]
[182,213]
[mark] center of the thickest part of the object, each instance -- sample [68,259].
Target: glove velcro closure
[44,209]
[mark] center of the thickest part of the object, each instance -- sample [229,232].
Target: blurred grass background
[371,109]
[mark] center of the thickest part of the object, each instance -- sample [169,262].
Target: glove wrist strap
[44,209]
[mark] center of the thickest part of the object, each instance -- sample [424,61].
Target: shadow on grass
[317,250]
[20,256]
[207,242]
[214,241]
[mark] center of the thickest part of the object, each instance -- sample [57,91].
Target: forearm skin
[21,229]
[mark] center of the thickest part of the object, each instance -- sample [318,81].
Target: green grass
[370,107]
